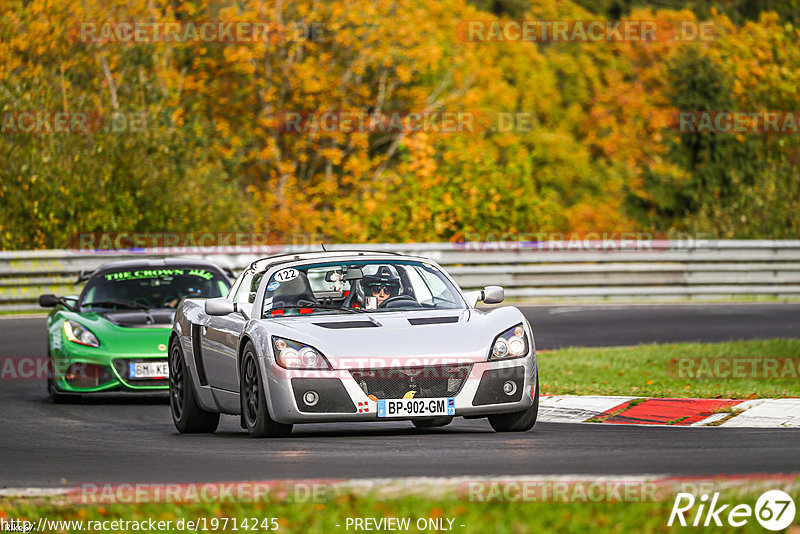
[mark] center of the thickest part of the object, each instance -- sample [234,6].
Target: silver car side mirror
[493,295]
[220,306]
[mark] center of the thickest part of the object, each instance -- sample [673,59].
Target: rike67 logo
[774,510]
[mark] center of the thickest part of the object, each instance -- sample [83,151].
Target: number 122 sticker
[285,275]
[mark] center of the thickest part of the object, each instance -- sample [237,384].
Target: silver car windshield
[357,287]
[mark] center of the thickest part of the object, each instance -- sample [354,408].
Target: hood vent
[416,321]
[336,325]
[155,318]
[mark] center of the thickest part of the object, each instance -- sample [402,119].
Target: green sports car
[114,336]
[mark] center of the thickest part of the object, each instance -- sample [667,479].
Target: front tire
[187,415]
[255,414]
[517,421]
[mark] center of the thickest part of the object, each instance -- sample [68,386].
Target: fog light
[86,375]
[310,398]
[509,388]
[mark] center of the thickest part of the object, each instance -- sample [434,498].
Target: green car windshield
[151,288]
[357,287]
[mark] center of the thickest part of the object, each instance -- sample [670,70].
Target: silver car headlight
[513,343]
[77,333]
[295,355]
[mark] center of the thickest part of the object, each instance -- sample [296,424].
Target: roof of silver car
[300,256]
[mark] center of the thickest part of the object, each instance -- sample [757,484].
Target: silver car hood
[392,339]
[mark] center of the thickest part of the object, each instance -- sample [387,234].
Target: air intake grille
[427,382]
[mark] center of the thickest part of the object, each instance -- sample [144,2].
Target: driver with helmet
[382,285]
[183,288]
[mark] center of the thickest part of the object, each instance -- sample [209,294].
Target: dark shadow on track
[106,399]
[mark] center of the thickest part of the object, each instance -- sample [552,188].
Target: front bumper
[342,398]
[115,370]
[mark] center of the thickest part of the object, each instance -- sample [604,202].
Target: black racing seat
[295,292]
[355,296]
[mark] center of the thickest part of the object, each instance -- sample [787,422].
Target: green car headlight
[293,355]
[77,333]
[513,343]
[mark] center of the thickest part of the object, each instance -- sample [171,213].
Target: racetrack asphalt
[120,439]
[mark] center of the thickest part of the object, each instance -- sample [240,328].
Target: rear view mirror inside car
[354,273]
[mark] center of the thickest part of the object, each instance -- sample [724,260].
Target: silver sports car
[350,336]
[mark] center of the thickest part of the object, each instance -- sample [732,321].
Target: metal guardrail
[528,270]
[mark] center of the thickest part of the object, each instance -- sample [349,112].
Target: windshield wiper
[315,306]
[119,303]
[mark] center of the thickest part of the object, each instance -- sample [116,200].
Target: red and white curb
[755,413]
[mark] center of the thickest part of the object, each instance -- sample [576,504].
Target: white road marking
[576,408]
[767,413]
[712,418]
